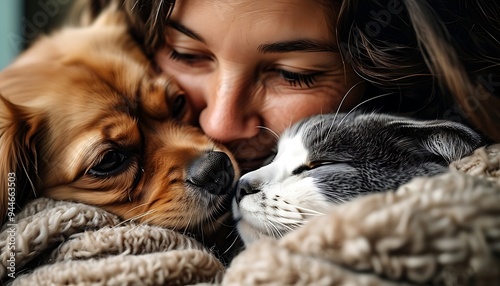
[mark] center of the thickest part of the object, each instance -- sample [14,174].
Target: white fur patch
[285,200]
[291,155]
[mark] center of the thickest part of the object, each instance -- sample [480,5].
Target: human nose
[232,110]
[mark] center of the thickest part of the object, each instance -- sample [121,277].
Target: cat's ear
[447,139]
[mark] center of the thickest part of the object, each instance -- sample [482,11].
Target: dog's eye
[179,106]
[111,163]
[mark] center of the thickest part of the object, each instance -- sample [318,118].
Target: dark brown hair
[435,53]
[447,49]
[147,18]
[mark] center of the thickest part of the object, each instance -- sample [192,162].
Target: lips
[247,165]
[253,153]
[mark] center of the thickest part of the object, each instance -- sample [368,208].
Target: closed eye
[189,58]
[301,169]
[313,165]
[111,163]
[295,78]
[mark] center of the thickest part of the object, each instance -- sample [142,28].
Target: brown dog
[84,118]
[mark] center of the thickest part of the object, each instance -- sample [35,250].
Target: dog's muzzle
[212,171]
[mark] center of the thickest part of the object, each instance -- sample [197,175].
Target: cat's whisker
[269,229]
[340,106]
[231,245]
[291,223]
[309,212]
[360,104]
[269,130]
[233,231]
[288,226]
[234,234]
[274,230]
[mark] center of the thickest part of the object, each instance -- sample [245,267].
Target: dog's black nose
[244,188]
[212,172]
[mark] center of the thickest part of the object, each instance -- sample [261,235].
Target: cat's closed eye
[313,165]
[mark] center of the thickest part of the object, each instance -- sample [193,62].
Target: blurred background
[22,21]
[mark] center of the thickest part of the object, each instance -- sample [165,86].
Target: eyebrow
[186,31]
[301,45]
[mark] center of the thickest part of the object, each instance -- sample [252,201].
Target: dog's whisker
[140,216]
[136,207]
[211,222]
[176,223]
[25,171]
[186,228]
[137,217]
[150,219]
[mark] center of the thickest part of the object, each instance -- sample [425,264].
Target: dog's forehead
[72,97]
[89,68]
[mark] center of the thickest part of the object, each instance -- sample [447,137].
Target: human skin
[251,68]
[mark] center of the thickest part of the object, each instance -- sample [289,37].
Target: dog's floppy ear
[18,127]
[446,139]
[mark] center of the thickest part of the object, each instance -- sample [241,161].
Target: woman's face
[251,68]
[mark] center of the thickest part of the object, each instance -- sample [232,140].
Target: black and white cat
[329,159]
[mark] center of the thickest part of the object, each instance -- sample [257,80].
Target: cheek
[280,112]
[285,106]
[193,84]
[196,90]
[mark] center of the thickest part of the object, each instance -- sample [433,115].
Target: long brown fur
[81,93]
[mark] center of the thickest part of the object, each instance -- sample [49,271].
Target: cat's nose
[212,172]
[244,188]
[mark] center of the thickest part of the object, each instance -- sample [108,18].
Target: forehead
[254,22]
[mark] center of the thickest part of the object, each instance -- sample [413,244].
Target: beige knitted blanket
[443,230]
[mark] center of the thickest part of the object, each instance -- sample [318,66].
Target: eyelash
[187,58]
[293,78]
